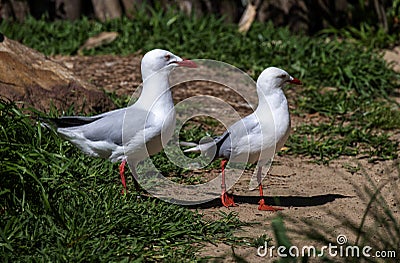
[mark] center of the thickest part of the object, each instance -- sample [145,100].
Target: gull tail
[188,144]
[45,123]
[70,121]
[195,146]
[209,148]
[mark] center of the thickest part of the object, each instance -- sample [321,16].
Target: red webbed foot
[265,207]
[227,200]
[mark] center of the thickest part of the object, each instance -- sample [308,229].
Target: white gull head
[272,79]
[158,59]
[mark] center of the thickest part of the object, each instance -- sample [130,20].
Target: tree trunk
[230,10]
[107,9]
[130,6]
[14,9]
[69,9]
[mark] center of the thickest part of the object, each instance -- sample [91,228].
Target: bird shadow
[282,201]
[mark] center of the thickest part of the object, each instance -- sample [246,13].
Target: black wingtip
[219,141]
[46,123]
[68,121]
[73,121]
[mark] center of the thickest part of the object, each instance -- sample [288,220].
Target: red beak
[186,63]
[295,81]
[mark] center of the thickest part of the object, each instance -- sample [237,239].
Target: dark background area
[305,16]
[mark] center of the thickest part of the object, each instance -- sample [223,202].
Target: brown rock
[29,76]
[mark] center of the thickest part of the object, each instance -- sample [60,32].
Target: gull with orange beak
[133,132]
[255,138]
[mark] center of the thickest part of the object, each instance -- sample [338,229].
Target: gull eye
[167,57]
[282,76]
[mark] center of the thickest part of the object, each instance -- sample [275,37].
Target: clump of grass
[261,241]
[375,37]
[58,204]
[329,141]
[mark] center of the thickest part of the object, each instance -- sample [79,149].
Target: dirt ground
[315,198]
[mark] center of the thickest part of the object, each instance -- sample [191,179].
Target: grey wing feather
[237,132]
[228,139]
[113,126]
[108,126]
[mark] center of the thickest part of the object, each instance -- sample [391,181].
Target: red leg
[121,173]
[262,206]
[227,200]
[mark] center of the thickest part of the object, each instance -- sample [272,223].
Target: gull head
[273,78]
[158,59]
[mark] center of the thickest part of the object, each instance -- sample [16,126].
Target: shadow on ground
[284,201]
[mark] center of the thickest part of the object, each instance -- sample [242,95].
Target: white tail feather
[203,148]
[188,144]
[195,147]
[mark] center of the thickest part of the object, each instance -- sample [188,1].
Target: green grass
[366,34]
[325,142]
[359,80]
[57,204]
